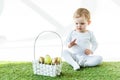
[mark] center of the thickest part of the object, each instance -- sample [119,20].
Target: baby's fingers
[74,40]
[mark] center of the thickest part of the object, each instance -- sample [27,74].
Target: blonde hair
[82,12]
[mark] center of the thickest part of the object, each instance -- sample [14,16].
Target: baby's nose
[79,26]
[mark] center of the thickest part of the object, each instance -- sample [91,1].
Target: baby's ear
[89,22]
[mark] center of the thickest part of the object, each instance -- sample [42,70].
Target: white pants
[71,59]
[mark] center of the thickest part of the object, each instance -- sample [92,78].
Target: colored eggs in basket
[41,60]
[48,60]
[59,60]
[56,60]
[45,60]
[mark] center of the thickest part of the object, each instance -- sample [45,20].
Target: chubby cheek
[83,27]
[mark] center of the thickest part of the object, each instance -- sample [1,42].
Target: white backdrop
[22,20]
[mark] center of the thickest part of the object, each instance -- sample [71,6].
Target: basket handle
[44,32]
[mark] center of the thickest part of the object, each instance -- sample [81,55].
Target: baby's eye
[76,23]
[82,23]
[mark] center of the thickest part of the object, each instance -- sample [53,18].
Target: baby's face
[81,24]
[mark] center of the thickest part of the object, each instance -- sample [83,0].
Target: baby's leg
[70,59]
[93,60]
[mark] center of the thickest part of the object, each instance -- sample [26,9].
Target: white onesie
[84,41]
[75,54]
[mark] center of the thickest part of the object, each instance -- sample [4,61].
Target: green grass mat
[23,71]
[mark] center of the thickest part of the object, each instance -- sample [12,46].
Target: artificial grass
[23,71]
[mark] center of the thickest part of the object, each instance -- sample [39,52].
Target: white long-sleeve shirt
[84,41]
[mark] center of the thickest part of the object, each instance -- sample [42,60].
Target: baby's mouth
[80,28]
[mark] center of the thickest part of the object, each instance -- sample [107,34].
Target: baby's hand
[72,43]
[88,51]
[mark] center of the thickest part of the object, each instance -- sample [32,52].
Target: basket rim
[57,34]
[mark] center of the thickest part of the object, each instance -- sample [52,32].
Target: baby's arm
[68,42]
[93,42]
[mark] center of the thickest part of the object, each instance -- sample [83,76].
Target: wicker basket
[46,69]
